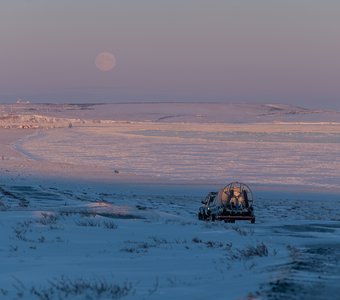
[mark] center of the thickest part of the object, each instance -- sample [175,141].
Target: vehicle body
[231,203]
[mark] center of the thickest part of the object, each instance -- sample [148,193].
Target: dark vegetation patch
[259,250]
[212,244]
[312,273]
[120,216]
[91,222]
[89,213]
[18,198]
[69,288]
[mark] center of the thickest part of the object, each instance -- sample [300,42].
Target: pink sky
[190,50]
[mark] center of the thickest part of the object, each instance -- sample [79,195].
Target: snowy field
[100,201]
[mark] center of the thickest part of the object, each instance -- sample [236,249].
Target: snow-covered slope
[85,241]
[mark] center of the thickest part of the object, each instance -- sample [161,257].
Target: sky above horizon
[190,50]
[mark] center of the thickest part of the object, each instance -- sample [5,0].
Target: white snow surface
[272,144]
[117,236]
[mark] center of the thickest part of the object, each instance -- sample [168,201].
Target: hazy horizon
[171,51]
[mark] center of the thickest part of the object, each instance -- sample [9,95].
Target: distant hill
[56,115]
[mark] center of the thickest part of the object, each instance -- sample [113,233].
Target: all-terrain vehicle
[231,203]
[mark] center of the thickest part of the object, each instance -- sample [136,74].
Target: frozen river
[294,154]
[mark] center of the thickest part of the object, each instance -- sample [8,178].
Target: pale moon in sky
[105,61]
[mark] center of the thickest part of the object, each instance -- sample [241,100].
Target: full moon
[105,61]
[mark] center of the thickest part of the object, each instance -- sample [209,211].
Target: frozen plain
[107,208]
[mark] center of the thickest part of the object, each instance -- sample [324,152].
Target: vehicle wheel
[252,221]
[200,216]
[213,217]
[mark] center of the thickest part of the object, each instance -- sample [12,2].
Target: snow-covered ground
[192,142]
[256,153]
[105,208]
